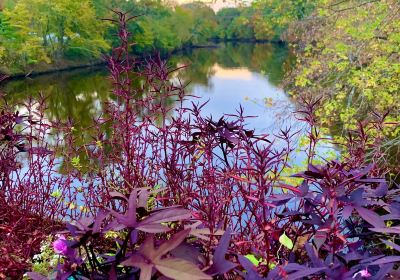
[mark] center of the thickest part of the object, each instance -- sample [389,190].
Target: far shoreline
[69,65]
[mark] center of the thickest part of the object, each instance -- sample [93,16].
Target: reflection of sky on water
[227,76]
[273,110]
[230,88]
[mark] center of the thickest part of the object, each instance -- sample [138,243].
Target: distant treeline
[36,34]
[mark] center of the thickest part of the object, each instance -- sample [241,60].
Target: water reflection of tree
[77,94]
[270,59]
[80,94]
[199,63]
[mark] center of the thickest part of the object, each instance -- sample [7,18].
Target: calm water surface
[227,76]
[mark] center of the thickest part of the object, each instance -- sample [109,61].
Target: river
[227,76]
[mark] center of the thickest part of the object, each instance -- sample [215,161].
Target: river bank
[247,40]
[69,65]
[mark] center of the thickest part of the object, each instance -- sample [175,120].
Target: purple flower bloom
[363,273]
[60,245]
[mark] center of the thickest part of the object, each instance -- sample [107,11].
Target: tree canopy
[348,55]
[41,32]
[35,33]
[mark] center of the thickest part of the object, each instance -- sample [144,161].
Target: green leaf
[180,269]
[285,241]
[56,193]
[75,161]
[253,259]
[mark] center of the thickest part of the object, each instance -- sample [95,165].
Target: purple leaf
[363,172]
[187,252]
[305,272]
[134,236]
[222,247]
[122,221]
[382,190]
[274,274]
[180,269]
[347,210]
[395,208]
[293,267]
[202,232]
[165,216]
[112,275]
[118,195]
[356,197]
[313,168]
[129,219]
[172,243]
[36,276]
[390,217]
[384,260]
[371,180]
[352,256]
[250,269]
[304,189]
[134,260]
[147,248]
[371,259]
[383,272]
[319,239]
[71,228]
[391,244]
[140,262]
[313,256]
[132,207]
[220,264]
[146,272]
[153,228]
[153,254]
[386,229]
[143,198]
[371,217]
[101,215]
[114,225]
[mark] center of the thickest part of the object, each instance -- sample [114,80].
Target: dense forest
[36,34]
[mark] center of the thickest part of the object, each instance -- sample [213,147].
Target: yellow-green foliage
[272,17]
[326,152]
[41,31]
[351,59]
[262,20]
[46,261]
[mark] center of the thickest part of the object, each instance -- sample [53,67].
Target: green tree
[204,21]
[272,17]
[225,18]
[351,60]
[20,47]
[49,30]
